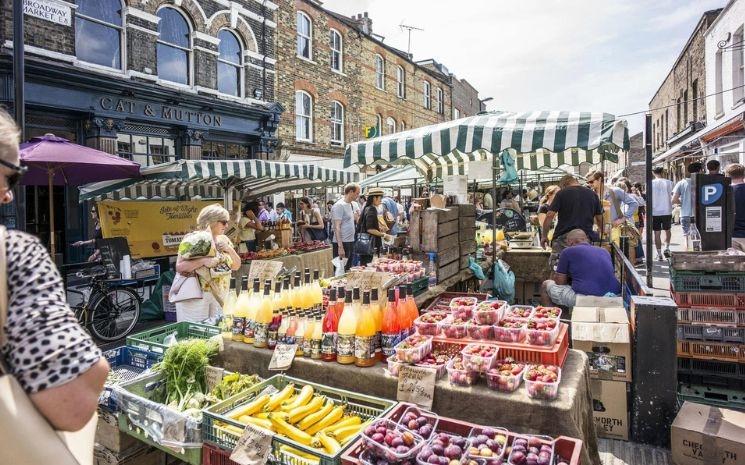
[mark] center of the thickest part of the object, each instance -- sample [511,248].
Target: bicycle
[108,311]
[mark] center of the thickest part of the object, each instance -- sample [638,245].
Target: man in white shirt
[343,219]
[682,195]
[662,211]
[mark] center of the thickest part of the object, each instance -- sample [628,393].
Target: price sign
[213,377]
[416,385]
[264,269]
[367,280]
[253,447]
[282,357]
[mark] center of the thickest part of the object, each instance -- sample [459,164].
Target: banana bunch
[307,418]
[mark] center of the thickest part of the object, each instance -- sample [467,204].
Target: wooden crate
[468,246]
[108,434]
[448,271]
[438,216]
[415,231]
[467,209]
[442,243]
[465,234]
[527,292]
[432,236]
[444,257]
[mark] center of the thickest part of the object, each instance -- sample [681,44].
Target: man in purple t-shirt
[583,269]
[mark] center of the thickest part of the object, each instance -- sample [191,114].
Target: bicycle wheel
[114,314]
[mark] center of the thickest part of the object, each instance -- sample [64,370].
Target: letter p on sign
[710,193]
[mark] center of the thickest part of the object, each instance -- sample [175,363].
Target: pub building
[149,81]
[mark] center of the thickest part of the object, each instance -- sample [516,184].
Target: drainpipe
[263,38]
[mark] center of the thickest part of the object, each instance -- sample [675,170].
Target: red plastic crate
[213,455]
[710,316]
[445,298]
[566,447]
[555,355]
[710,350]
[709,299]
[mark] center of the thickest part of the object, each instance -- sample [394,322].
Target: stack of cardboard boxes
[704,434]
[600,327]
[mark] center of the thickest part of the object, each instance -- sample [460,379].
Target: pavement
[661,268]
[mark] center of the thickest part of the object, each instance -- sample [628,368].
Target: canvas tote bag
[27,437]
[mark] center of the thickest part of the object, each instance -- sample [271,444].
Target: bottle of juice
[330,327]
[291,329]
[412,309]
[295,297]
[300,336]
[390,331]
[273,331]
[317,340]
[356,300]
[241,312]
[308,336]
[254,300]
[317,290]
[402,314]
[346,332]
[282,330]
[263,317]
[228,307]
[307,300]
[364,348]
[377,312]
[339,304]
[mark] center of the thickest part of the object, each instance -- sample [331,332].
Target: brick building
[464,97]
[150,80]
[678,109]
[340,83]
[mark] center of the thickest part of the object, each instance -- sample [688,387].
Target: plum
[397,442]
[421,421]
[412,425]
[425,431]
[433,459]
[377,437]
[402,450]
[444,461]
[489,432]
[517,457]
[438,449]
[453,452]
[425,453]
[370,430]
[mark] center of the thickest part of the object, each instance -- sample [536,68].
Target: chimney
[364,22]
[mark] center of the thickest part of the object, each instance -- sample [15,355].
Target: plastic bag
[504,281]
[475,268]
[339,264]
[508,164]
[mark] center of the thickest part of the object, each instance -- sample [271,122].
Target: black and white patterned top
[45,346]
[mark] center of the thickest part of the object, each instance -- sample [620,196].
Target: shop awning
[685,147]
[393,177]
[211,179]
[536,139]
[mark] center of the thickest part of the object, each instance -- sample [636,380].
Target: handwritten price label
[253,447]
[416,385]
[264,269]
[282,357]
[214,376]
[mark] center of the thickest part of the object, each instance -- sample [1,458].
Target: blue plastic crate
[126,363]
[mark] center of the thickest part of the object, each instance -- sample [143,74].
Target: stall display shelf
[728,398]
[706,281]
[711,333]
[710,350]
[153,340]
[709,299]
[568,448]
[367,407]
[442,301]
[711,316]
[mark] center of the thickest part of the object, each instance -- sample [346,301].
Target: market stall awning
[537,139]
[211,179]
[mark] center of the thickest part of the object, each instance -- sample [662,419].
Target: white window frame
[240,66]
[333,51]
[456,113]
[379,72]
[402,126]
[122,37]
[427,92]
[337,122]
[309,117]
[379,125]
[440,99]
[718,84]
[738,66]
[400,82]
[390,123]
[309,37]
[189,51]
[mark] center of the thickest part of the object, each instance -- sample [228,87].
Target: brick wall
[465,97]
[636,162]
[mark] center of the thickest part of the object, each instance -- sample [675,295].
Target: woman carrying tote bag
[51,372]
[369,234]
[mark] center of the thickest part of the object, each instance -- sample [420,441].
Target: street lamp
[482,103]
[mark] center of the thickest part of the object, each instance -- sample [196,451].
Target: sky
[589,55]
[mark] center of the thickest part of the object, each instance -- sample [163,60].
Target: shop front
[139,121]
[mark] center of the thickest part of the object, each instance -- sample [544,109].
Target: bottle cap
[391,295]
[366,298]
[348,297]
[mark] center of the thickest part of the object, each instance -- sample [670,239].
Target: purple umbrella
[54,161]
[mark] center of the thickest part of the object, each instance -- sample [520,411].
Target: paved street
[661,269]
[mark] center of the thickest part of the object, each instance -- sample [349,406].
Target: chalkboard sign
[509,220]
[112,251]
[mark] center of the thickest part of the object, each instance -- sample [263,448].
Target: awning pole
[650,204]
[493,221]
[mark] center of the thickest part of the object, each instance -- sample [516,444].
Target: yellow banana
[250,408]
[301,399]
[314,418]
[276,400]
[330,419]
[348,421]
[229,429]
[329,444]
[290,431]
[304,455]
[297,414]
[261,415]
[266,424]
[346,432]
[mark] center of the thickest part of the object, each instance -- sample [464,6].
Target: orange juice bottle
[317,290]
[364,337]
[339,304]
[401,314]
[300,336]
[412,309]
[241,312]
[346,332]
[390,329]
[330,327]
[291,329]
[310,327]
[377,312]
[263,317]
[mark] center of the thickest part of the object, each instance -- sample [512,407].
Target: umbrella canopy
[536,139]
[216,178]
[70,164]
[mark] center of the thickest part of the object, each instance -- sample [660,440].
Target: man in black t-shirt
[578,207]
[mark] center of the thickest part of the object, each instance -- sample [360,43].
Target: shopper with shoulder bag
[370,237]
[51,372]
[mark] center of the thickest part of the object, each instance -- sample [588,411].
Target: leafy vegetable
[196,244]
[183,366]
[232,384]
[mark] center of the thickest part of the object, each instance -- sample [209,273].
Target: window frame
[189,51]
[309,37]
[718,83]
[333,51]
[122,36]
[337,121]
[400,82]
[456,113]
[388,125]
[440,99]
[402,126]
[309,116]
[738,66]
[241,66]
[379,125]
[427,93]
[379,73]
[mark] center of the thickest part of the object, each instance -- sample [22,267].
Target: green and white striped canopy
[211,179]
[536,139]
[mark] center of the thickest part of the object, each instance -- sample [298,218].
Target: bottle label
[300,341]
[260,334]
[238,322]
[271,338]
[389,341]
[345,345]
[363,347]
[249,329]
[328,344]
[307,347]
[315,348]
[378,343]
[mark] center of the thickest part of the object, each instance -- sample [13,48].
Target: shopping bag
[339,264]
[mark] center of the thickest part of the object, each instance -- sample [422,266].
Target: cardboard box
[610,409]
[603,333]
[706,435]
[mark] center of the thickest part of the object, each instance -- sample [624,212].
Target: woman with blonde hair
[212,271]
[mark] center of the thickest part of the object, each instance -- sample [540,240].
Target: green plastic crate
[707,281]
[152,340]
[367,407]
[192,455]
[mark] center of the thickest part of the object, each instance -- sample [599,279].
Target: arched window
[336,46]
[174,46]
[402,126]
[390,125]
[303,116]
[229,64]
[400,82]
[337,123]
[379,72]
[98,32]
[427,95]
[440,101]
[304,36]
[378,125]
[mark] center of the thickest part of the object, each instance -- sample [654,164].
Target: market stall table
[569,415]
[314,260]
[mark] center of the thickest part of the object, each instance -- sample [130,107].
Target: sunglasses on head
[18,172]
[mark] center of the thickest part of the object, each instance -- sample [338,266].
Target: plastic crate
[711,333]
[442,301]
[368,407]
[709,299]
[727,375]
[709,316]
[212,455]
[704,281]
[192,455]
[420,285]
[728,398]
[126,363]
[709,350]
[706,261]
[152,340]
[568,448]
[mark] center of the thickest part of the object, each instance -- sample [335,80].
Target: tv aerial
[409,29]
